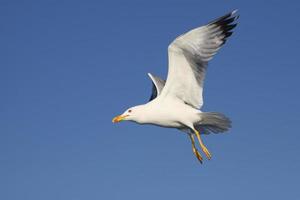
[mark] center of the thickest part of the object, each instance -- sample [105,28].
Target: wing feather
[189,55]
[157,86]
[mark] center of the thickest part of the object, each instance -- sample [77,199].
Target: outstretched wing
[189,55]
[157,86]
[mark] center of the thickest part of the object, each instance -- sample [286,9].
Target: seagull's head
[134,114]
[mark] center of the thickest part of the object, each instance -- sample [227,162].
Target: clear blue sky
[68,67]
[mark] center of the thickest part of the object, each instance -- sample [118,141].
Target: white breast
[169,112]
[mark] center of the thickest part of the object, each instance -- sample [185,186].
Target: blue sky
[68,67]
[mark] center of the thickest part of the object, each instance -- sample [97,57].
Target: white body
[169,112]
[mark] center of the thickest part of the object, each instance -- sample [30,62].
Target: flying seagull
[176,102]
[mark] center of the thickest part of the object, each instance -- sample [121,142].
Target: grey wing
[157,86]
[189,55]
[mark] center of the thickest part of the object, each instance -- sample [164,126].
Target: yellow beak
[119,118]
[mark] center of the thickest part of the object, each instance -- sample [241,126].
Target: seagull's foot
[205,150]
[198,155]
[203,147]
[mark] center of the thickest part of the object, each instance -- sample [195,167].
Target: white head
[135,114]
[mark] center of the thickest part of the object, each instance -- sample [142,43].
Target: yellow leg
[195,150]
[203,147]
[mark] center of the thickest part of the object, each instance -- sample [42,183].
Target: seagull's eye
[129,111]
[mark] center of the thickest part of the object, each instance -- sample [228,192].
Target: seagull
[176,101]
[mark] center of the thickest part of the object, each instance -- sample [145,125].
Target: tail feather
[213,122]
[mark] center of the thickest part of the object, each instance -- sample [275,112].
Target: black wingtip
[229,17]
[227,23]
